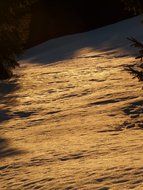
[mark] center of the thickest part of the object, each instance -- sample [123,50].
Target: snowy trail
[74,124]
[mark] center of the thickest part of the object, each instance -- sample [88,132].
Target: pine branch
[139,45]
[135,72]
[135,43]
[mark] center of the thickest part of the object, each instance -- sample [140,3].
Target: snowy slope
[102,39]
[72,117]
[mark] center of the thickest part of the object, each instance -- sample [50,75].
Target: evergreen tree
[14,27]
[136,69]
[136,6]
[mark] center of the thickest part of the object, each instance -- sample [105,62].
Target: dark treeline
[15,18]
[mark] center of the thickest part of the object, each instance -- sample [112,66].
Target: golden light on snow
[74,123]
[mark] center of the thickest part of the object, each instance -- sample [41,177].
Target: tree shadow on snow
[6,150]
[8,100]
[135,111]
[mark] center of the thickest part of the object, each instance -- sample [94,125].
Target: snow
[102,39]
[72,116]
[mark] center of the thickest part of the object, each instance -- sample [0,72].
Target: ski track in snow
[74,124]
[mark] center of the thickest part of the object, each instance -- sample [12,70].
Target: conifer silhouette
[14,29]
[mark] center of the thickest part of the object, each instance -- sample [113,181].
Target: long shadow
[134,108]
[134,111]
[6,150]
[8,99]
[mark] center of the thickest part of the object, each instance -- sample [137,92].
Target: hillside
[72,116]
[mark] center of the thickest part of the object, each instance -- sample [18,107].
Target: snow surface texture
[72,118]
